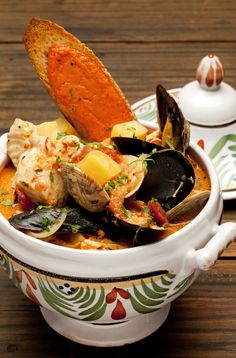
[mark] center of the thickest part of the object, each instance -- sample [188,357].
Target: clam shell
[19,139]
[86,192]
[192,205]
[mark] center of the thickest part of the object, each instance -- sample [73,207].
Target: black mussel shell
[76,221]
[170,178]
[35,220]
[167,107]
[134,146]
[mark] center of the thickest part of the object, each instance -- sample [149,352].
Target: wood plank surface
[142,43]
[136,67]
[152,20]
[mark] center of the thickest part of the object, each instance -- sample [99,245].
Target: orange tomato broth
[79,241]
[7,196]
[80,83]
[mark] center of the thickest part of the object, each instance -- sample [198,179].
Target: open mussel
[174,127]
[45,221]
[134,146]
[170,176]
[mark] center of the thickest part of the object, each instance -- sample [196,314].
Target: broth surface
[80,241]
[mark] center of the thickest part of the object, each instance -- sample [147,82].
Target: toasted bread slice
[76,79]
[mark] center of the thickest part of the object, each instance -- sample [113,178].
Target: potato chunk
[56,128]
[131,129]
[99,166]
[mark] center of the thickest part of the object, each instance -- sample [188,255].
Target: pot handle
[206,257]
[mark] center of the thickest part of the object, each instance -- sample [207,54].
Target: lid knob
[210,72]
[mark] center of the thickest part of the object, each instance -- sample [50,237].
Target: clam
[86,192]
[174,127]
[189,207]
[94,197]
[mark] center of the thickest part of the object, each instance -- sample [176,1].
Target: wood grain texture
[141,43]
[112,20]
[137,68]
[202,322]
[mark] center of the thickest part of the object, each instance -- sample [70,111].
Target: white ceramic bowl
[112,298]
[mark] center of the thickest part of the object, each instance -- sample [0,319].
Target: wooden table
[142,43]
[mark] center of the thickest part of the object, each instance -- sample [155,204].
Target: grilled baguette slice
[94,103]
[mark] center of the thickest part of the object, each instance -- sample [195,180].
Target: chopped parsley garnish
[75,228]
[61,135]
[40,207]
[131,129]
[5,193]
[82,141]
[45,225]
[58,160]
[154,200]
[73,109]
[124,210]
[7,203]
[167,206]
[110,185]
[153,151]
[51,177]
[94,144]
[122,179]
[144,164]
[169,144]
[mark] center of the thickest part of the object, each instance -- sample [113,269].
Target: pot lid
[208,101]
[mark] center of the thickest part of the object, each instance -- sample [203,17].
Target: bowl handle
[206,257]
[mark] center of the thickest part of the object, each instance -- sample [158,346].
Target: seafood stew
[113,194]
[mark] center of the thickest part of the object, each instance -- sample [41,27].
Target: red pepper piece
[157,212]
[24,201]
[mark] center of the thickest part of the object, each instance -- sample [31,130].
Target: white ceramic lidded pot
[111,298]
[208,101]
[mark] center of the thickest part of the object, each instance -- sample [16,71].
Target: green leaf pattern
[223,155]
[9,269]
[147,111]
[88,301]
